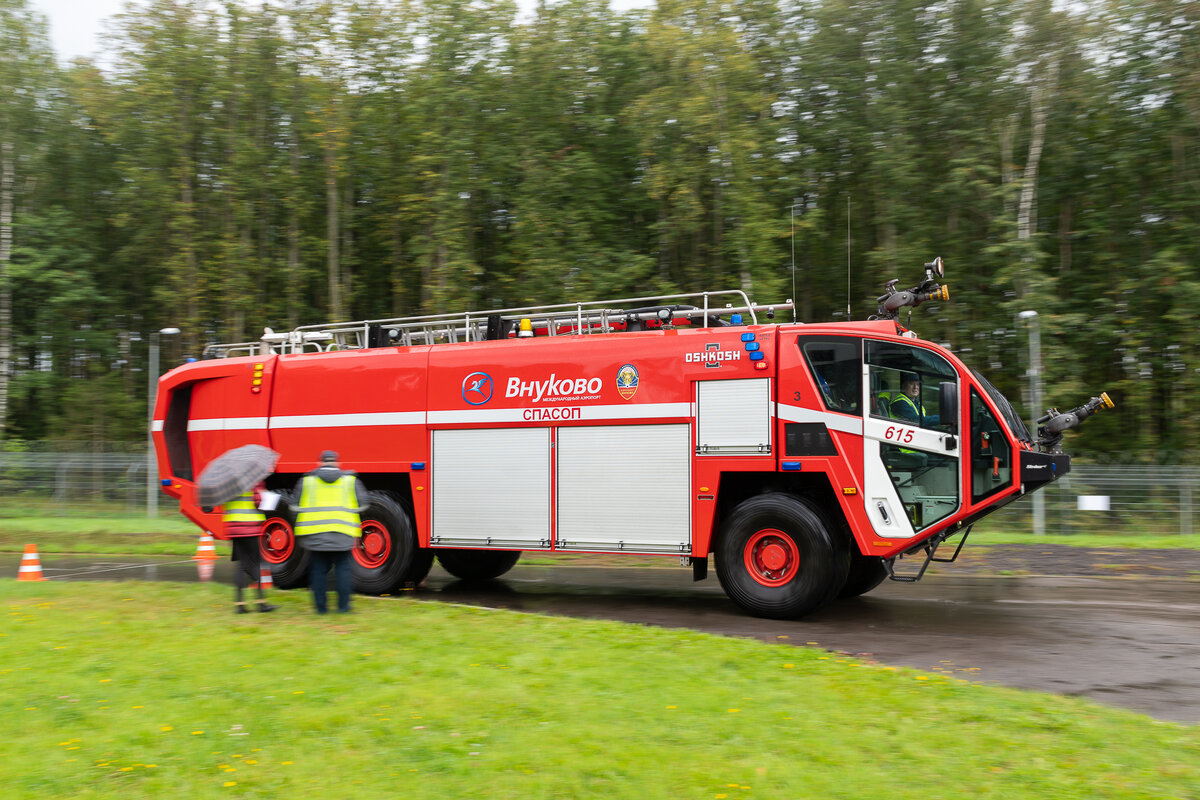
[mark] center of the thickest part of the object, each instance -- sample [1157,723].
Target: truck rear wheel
[778,558]
[386,556]
[477,565]
[289,563]
[866,572]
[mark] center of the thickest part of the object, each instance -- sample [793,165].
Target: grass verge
[1118,540]
[173,535]
[156,690]
[116,534]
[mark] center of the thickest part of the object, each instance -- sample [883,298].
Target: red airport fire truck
[681,426]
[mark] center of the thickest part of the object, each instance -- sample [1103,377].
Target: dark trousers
[321,561]
[246,554]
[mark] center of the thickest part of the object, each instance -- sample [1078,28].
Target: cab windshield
[1015,423]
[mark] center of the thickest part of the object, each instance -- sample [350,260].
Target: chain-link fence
[1111,499]
[1133,499]
[48,476]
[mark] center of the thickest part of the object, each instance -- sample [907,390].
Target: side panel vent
[808,439]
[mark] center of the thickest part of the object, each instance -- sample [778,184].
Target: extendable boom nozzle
[892,301]
[1052,425]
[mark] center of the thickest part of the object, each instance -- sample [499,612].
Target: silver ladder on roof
[602,316]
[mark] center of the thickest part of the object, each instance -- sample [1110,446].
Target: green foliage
[241,165]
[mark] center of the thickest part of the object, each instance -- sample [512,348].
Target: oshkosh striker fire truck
[679,426]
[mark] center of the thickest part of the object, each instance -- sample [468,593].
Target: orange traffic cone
[31,567]
[264,579]
[205,569]
[205,551]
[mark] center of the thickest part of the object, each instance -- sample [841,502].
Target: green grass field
[157,690]
[171,534]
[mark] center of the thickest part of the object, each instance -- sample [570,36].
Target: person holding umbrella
[234,480]
[244,528]
[328,526]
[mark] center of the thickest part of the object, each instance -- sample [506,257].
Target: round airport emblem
[627,381]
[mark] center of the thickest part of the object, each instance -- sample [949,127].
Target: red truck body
[773,447]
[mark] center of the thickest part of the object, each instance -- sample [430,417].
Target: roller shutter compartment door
[491,488]
[624,488]
[733,417]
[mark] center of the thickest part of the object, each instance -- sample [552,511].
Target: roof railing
[566,319]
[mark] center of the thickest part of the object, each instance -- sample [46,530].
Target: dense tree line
[232,165]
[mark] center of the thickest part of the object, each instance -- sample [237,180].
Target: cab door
[911,458]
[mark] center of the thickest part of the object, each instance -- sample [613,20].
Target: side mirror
[948,405]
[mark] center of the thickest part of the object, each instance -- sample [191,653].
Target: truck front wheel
[778,558]
[386,555]
[866,572]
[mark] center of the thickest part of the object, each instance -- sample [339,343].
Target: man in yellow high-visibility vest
[906,404]
[327,525]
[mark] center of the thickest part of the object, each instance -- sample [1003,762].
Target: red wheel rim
[374,546]
[772,557]
[278,541]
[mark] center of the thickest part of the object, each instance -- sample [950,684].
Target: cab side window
[905,382]
[836,366]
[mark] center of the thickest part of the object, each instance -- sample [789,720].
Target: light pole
[152,397]
[1034,376]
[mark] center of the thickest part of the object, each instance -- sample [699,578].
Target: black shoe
[265,607]
[241,610]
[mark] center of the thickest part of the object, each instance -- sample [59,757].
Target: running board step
[930,546]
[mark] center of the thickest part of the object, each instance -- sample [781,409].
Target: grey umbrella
[234,472]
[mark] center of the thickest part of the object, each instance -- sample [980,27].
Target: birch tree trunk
[6,234]
[332,208]
[292,280]
[1027,208]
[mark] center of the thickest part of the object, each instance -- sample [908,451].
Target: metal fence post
[1185,507]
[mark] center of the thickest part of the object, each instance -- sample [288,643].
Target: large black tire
[288,562]
[866,572]
[386,557]
[477,565]
[777,557]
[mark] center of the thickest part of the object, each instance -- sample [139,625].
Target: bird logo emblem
[477,388]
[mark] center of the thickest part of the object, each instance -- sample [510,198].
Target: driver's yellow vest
[918,410]
[328,507]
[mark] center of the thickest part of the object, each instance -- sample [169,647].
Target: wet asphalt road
[1128,643]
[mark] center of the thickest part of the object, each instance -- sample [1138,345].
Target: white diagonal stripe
[836,422]
[469,415]
[349,420]
[227,424]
